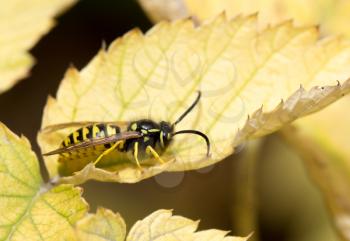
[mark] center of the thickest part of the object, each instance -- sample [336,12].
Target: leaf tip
[72,71]
[7,134]
[50,100]
[134,32]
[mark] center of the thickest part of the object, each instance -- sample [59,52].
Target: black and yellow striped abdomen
[90,132]
[87,133]
[76,160]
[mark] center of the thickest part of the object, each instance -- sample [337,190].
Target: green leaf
[22,23]
[238,69]
[28,211]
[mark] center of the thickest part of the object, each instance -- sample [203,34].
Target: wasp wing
[96,141]
[56,127]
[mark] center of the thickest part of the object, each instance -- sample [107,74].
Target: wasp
[141,137]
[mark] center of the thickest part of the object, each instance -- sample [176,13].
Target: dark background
[207,196]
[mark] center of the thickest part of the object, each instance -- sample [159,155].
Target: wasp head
[166,133]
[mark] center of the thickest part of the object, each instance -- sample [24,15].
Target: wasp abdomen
[89,132]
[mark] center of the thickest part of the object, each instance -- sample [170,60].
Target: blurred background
[283,204]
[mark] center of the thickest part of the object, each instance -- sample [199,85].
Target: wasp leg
[155,154]
[136,151]
[106,152]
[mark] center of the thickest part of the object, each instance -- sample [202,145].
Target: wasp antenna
[189,108]
[204,136]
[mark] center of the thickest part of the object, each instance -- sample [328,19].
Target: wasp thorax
[153,133]
[150,132]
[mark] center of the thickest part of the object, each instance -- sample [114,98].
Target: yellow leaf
[104,225]
[303,12]
[306,12]
[162,226]
[238,69]
[331,15]
[322,140]
[22,23]
[28,210]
